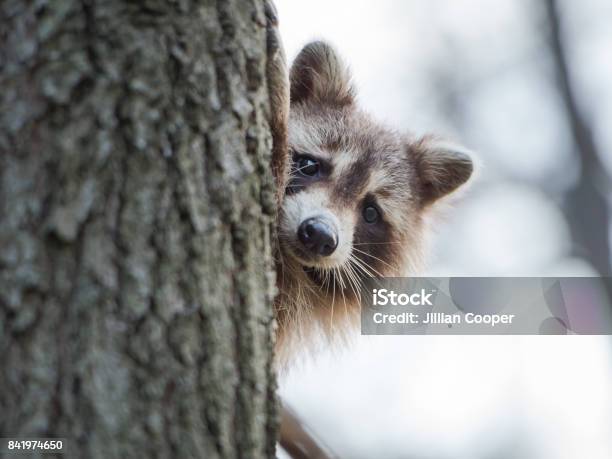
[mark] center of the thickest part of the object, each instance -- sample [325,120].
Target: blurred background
[528,86]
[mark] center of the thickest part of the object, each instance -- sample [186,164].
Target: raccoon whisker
[376,258]
[324,275]
[342,291]
[352,260]
[353,280]
[376,243]
[362,263]
[365,266]
[364,271]
[303,286]
[358,281]
[377,273]
[331,317]
[340,279]
[360,267]
[311,290]
[349,280]
[293,171]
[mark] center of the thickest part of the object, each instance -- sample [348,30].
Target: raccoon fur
[354,197]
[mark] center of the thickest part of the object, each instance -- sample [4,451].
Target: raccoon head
[355,200]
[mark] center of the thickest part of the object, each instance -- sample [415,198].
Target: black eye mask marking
[305,170]
[373,242]
[306,165]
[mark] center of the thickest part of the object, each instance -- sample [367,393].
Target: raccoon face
[357,192]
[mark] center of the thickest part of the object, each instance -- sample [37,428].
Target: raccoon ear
[441,168]
[319,74]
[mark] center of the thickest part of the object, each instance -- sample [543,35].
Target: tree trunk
[136,207]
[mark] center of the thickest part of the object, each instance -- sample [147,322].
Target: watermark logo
[487,305]
[383,297]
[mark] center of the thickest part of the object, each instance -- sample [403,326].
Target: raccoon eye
[307,166]
[371,214]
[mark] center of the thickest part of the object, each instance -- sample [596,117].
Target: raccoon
[354,199]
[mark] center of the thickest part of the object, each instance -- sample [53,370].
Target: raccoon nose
[318,237]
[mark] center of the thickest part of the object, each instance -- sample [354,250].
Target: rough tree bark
[136,208]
